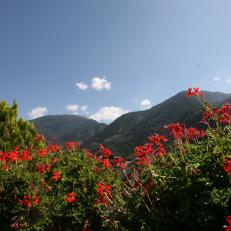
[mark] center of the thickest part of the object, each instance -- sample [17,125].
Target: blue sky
[129,54]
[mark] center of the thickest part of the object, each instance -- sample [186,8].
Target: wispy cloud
[146,103]
[37,112]
[84,108]
[98,83]
[216,78]
[108,113]
[81,86]
[222,80]
[72,107]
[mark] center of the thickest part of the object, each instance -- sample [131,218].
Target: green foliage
[14,131]
[79,173]
[187,188]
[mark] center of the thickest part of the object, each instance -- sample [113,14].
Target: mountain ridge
[130,129]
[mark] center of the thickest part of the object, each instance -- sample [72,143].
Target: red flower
[36,200]
[193,92]
[3,158]
[119,162]
[225,113]
[106,152]
[176,130]
[53,148]
[17,148]
[228,219]
[157,139]
[72,145]
[141,151]
[160,150]
[13,156]
[42,168]
[227,165]
[42,152]
[105,162]
[28,201]
[70,197]
[25,155]
[193,133]
[104,192]
[56,176]
[145,161]
[228,228]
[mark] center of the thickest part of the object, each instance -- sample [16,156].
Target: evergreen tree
[14,131]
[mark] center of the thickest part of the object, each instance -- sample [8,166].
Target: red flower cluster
[222,115]
[193,133]
[225,113]
[106,152]
[28,201]
[194,91]
[176,130]
[53,148]
[143,153]
[70,197]
[156,139]
[14,156]
[228,220]
[25,155]
[119,162]
[104,192]
[72,145]
[56,176]
[42,168]
[42,152]
[105,162]
[227,165]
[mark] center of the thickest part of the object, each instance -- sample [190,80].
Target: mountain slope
[132,129]
[62,128]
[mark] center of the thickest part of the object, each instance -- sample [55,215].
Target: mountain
[132,129]
[62,128]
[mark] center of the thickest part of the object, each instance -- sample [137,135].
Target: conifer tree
[14,131]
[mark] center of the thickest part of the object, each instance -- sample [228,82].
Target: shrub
[66,188]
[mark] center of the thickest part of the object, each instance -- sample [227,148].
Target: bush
[66,188]
[54,188]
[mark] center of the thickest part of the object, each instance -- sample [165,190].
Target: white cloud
[100,83]
[216,78]
[84,108]
[72,107]
[146,103]
[108,113]
[228,80]
[37,112]
[81,86]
